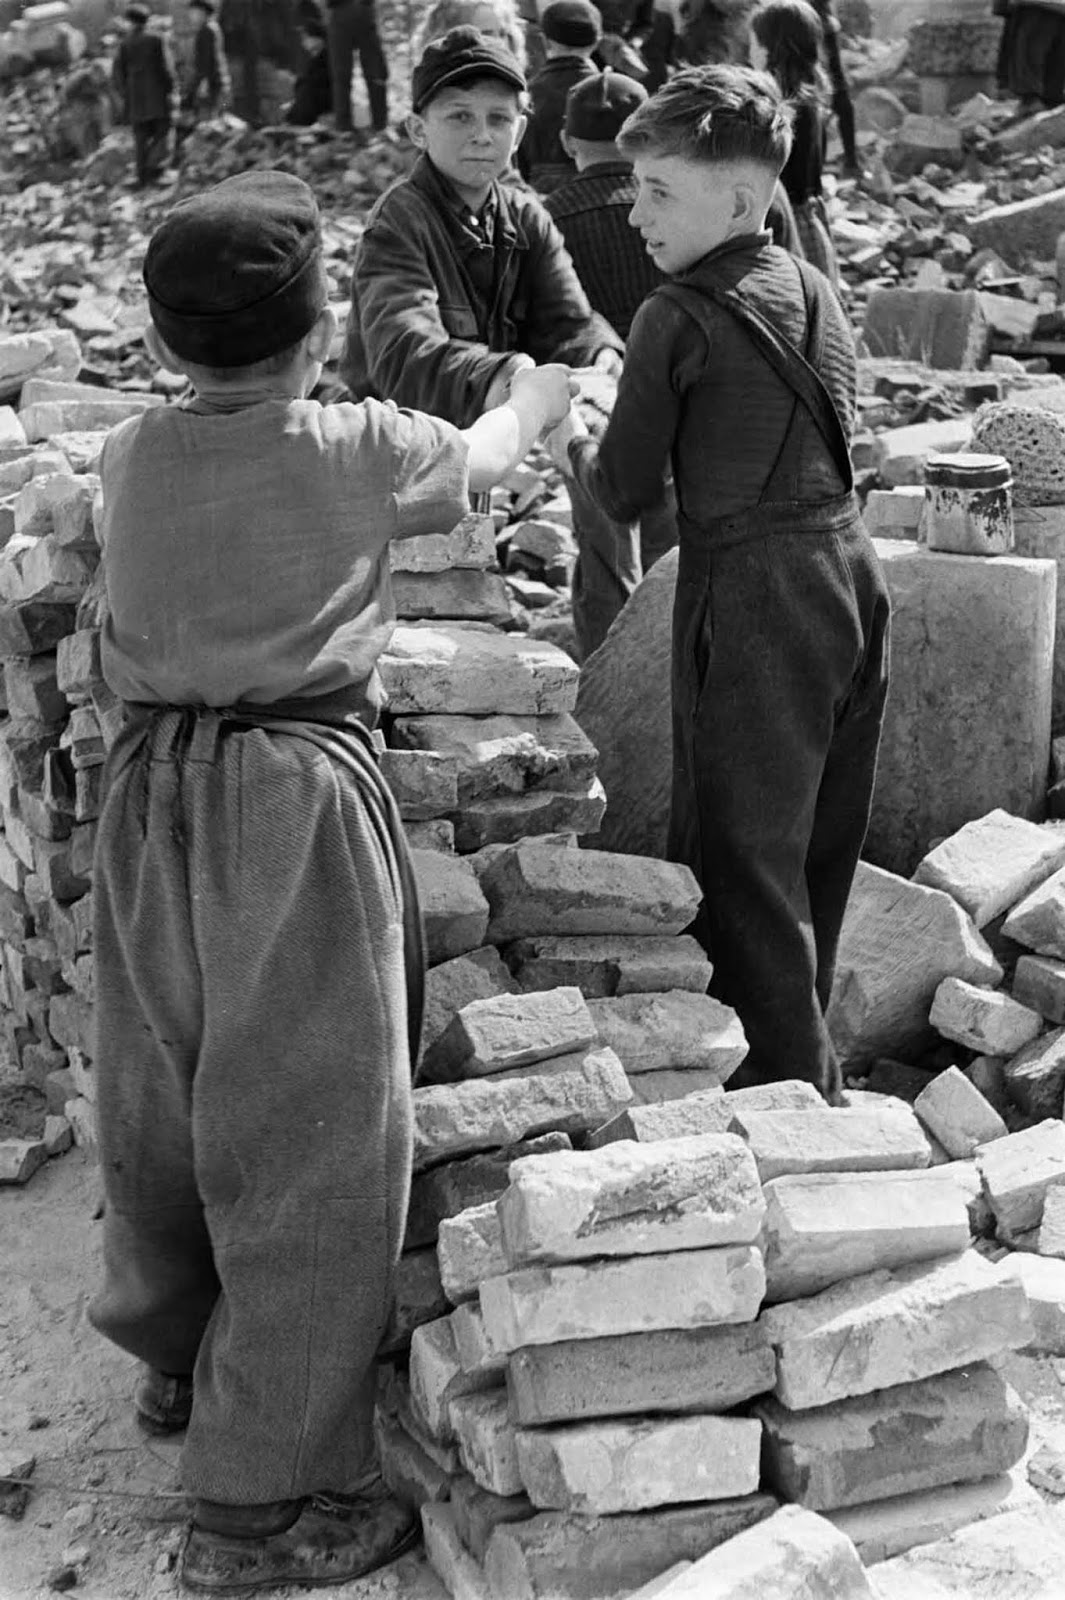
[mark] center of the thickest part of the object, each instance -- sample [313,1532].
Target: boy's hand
[499,389]
[548,388]
[558,441]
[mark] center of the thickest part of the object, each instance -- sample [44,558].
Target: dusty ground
[65,1397]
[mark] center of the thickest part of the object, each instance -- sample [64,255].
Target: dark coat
[542,144]
[422,333]
[210,69]
[144,76]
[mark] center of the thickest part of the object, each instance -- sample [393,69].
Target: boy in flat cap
[208,83]
[257,936]
[146,85]
[461,281]
[572,30]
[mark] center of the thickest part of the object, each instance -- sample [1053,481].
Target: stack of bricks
[58,718]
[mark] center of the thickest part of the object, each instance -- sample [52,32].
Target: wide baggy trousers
[254,1094]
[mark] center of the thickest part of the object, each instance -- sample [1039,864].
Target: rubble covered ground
[91,1504]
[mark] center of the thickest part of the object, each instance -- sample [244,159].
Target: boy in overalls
[742,373]
[256,931]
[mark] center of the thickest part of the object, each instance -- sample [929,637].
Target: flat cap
[137,13]
[573,22]
[236,274]
[596,107]
[462,56]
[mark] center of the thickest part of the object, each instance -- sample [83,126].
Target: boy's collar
[436,188]
[742,241]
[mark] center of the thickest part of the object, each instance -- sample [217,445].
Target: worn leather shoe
[322,1547]
[163,1401]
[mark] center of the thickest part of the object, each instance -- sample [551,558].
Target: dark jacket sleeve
[120,79]
[625,472]
[560,324]
[409,354]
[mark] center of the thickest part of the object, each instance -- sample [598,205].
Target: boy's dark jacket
[542,144]
[419,325]
[144,76]
[209,65]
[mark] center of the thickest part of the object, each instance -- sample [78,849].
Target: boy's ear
[748,208]
[320,339]
[161,352]
[416,130]
[567,144]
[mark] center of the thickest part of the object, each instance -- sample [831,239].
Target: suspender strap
[788,362]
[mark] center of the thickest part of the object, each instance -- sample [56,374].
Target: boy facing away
[572,31]
[257,937]
[461,281]
[742,372]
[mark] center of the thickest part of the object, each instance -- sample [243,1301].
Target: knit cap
[597,107]
[576,23]
[236,274]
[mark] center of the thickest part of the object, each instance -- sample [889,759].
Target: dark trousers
[842,104]
[351,28]
[151,147]
[779,680]
[612,559]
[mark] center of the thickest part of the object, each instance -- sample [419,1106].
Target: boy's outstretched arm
[625,472]
[539,399]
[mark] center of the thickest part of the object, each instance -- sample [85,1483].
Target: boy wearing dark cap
[572,30]
[461,281]
[146,85]
[257,942]
[208,81]
[741,371]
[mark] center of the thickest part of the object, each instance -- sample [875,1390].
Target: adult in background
[1031,60]
[208,81]
[351,28]
[146,85]
[496,19]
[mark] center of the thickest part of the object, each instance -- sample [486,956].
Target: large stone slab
[482,1114]
[941,327]
[986,1020]
[537,889]
[49,418]
[830,1139]
[794,1555]
[894,1327]
[957,1114]
[633,1464]
[1021,229]
[991,863]
[641,1294]
[1039,984]
[509,755]
[1043,1281]
[478,1513]
[471,544]
[458,1570]
[623,705]
[454,910]
[1017,1171]
[822,1228]
[671,1032]
[487,1441]
[475,671]
[1035,1077]
[572,1557]
[517,1030]
[664,1087]
[509,818]
[1039,530]
[603,965]
[932,777]
[952,1428]
[675,1370]
[456,1186]
[437,1377]
[630,1199]
[899,941]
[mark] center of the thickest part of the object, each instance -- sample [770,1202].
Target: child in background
[496,19]
[742,372]
[146,85]
[461,279]
[571,30]
[257,940]
[312,92]
[786,39]
[210,69]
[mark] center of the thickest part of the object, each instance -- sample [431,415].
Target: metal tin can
[969,507]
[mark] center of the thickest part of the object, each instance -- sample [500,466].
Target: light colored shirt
[246,551]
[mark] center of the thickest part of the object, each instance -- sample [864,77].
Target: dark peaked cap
[462,56]
[236,274]
[597,107]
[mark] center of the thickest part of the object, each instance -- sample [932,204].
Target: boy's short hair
[717,115]
[235,276]
[463,56]
[209,6]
